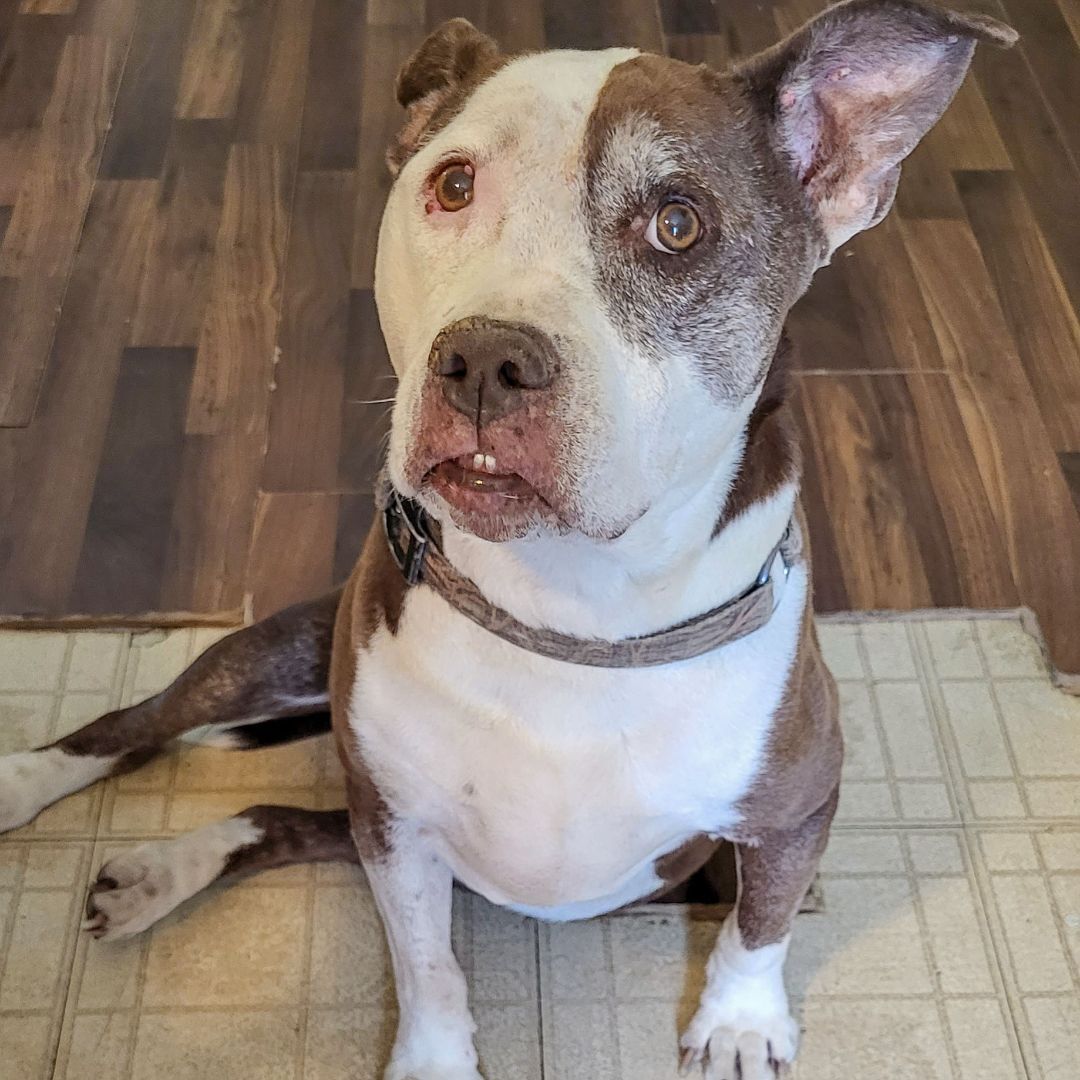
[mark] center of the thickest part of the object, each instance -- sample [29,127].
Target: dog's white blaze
[522,250]
[33,779]
[552,787]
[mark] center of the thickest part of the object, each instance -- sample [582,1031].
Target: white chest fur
[552,787]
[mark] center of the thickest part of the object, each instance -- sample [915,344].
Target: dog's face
[587,258]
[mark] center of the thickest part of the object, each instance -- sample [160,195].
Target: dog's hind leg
[276,668]
[136,889]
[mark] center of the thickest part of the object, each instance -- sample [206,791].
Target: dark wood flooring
[191,374]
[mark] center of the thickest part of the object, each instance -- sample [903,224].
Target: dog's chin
[491,506]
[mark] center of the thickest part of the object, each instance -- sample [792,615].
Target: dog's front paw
[439,1055]
[729,1043]
[132,892]
[440,1071]
[19,801]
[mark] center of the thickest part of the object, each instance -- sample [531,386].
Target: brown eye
[454,187]
[674,228]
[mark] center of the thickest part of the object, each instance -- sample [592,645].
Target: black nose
[489,367]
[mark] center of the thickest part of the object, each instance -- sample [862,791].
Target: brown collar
[420,560]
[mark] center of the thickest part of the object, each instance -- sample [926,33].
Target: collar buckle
[408,552]
[765,575]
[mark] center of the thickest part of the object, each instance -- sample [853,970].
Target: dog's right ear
[449,63]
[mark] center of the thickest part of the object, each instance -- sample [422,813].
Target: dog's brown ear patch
[435,80]
[852,92]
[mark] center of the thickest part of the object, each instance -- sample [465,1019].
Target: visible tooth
[478,461]
[489,462]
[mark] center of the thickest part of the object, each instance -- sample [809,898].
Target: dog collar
[418,556]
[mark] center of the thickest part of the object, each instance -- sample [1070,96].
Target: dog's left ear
[851,94]
[451,59]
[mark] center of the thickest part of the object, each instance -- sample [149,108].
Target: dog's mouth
[478,479]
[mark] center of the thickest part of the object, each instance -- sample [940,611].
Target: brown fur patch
[292,835]
[724,300]
[374,597]
[790,805]
[255,671]
[775,873]
[772,457]
[436,81]
[676,866]
[805,749]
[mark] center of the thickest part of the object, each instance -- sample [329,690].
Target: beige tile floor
[949,946]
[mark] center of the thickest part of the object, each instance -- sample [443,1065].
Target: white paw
[432,1072]
[133,891]
[34,779]
[442,1055]
[733,1044]
[20,799]
[136,889]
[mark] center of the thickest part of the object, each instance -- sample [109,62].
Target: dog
[577,650]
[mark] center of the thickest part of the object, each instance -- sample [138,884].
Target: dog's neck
[697,547]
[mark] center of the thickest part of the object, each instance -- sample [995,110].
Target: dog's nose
[489,367]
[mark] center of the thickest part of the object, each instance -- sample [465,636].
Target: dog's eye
[674,228]
[454,187]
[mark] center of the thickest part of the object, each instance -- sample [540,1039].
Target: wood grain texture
[1038,523]
[272,90]
[237,342]
[55,469]
[30,53]
[48,216]
[139,134]
[210,78]
[130,518]
[293,549]
[223,278]
[309,378]
[1042,324]
[175,288]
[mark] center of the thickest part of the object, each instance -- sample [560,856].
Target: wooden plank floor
[192,383]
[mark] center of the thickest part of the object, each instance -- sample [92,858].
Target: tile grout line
[540,1018]
[1020,779]
[68,1007]
[612,997]
[62,990]
[870,683]
[311,886]
[1021,1038]
[912,877]
[929,959]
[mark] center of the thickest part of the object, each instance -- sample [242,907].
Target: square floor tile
[949,943]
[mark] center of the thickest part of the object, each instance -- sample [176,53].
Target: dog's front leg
[743,1026]
[412,888]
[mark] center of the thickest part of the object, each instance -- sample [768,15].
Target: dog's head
[587,258]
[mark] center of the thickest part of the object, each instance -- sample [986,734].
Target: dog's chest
[554,787]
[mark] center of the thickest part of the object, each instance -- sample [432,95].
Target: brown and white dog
[584,269]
